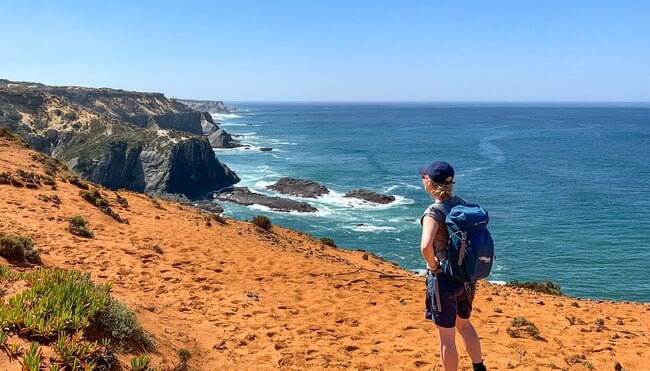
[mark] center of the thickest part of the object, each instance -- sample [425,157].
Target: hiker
[449,302]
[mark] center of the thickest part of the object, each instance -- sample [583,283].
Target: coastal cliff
[138,141]
[205,105]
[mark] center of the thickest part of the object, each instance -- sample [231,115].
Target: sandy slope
[241,298]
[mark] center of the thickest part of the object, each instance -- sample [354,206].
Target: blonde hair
[439,191]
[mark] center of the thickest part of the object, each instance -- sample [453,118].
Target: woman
[448,302]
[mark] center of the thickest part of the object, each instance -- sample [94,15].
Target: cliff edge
[138,141]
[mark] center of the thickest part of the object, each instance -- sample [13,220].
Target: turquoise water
[567,188]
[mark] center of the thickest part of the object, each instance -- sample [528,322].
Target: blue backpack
[471,249]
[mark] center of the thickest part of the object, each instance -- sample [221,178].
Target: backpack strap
[463,248]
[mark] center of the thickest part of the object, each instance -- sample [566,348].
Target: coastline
[523,226]
[238,297]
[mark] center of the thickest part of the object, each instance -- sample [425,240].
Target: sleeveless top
[441,239]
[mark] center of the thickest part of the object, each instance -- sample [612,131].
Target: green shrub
[18,248]
[184,355]
[96,198]
[78,227]
[32,359]
[74,352]
[156,203]
[521,325]
[75,180]
[140,363]
[544,286]
[121,200]
[32,180]
[45,198]
[328,241]
[262,222]
[219,218]
[51,166]
[122,325]
[5,177]
[57,300]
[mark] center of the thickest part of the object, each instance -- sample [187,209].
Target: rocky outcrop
[299,187]
[221,139]
[207,124]
[370,196]
[205,105]
[144,110]
[244,196]
[108,150]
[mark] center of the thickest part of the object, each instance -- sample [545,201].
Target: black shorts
[454,298]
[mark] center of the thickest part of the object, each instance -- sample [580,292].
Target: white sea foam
[490,150]
[230,124]
[221,116]
[260,207]
[502,283]
[371,228]
[263,184]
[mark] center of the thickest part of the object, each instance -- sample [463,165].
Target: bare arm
[429,229]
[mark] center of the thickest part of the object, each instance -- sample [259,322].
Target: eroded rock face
[244,196]
[299,187]
[370,196]
[221,139]
[215,106]
[107,150]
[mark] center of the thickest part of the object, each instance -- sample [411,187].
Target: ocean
[567,187]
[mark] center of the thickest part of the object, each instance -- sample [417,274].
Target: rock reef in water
[370,196]
[102,134]
[244,196]
[299,187]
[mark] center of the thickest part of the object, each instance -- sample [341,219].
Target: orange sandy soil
[240,298]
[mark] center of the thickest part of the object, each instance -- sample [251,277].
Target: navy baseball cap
[438,171]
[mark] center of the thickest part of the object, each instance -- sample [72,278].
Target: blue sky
[336,50]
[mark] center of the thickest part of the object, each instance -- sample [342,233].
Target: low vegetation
[51,166]
[56,308]
[96,198]
[53,199]
[156,203]
[218,218]
[544,286]
[121,200]
[521,326]
[140,363]
[78,227]
[183,356]
[26,179]
[6,133]
[18,249]
[262,222]
[75,180]
[122,325]
[328,241]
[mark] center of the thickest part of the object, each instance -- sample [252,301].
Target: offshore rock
[221,139]
[299,187]
[244,196]
[370,196]
[207,124]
